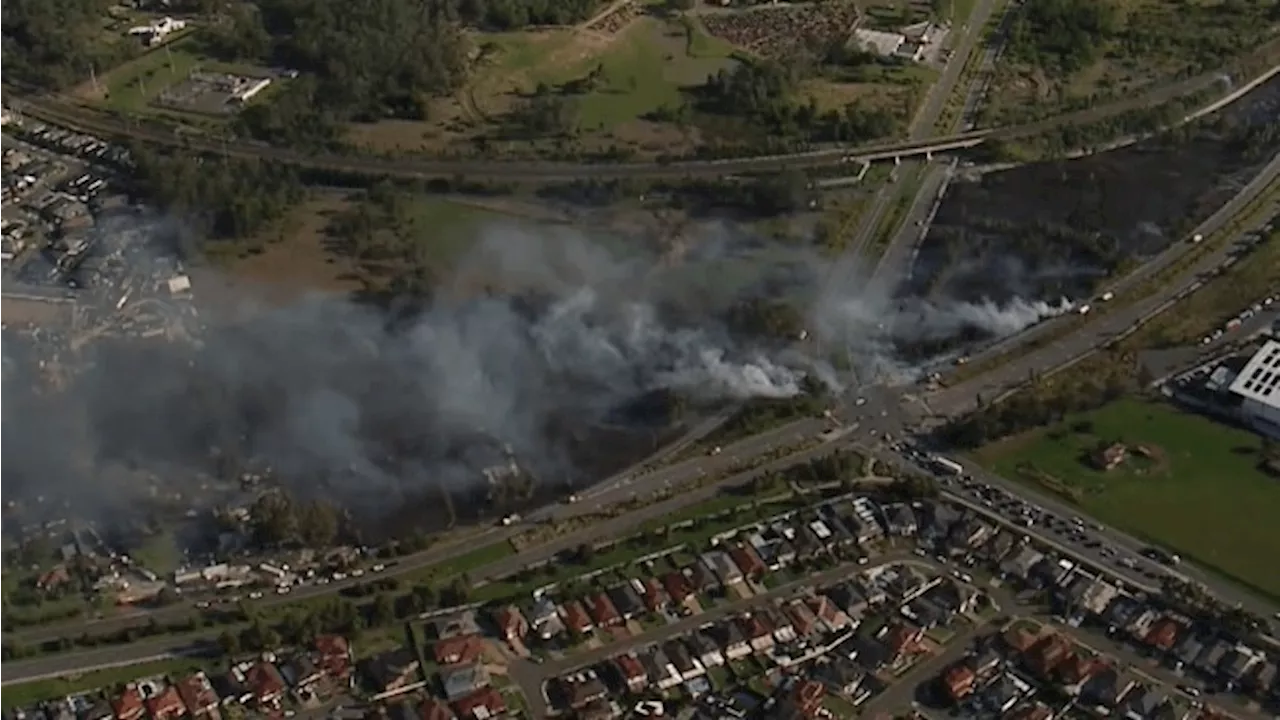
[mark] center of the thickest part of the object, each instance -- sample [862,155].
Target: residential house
[1077,669]
[512,625]
[626,600]
[128,704]
[166,704]
[435,709]
[582,689]
[1211,656]
[1048,572]
[660,670]
[748,561]
[1000,695]
[602,610]
[937,523]
[1048,652]
[198,695]
[1071,594]
[722,567]
[999,546]
[783,630]
[1018,565]
[969,533]
[903,640]
[394,671]
[1120,612]
[678,587]
[870,653]
[701,578]
[684,661]
[459,649]
[757,630]
[460,681]
[1141,623]
[1031,711]
[232,687]
[959,681]
[655,598]
[1141,701]
[952,598]
[842,676]
[732,640]
[631,671]
[1106,688]
[576,618]
[1099,597]
[546,618]
[704,646]
[1187,650]
[850,597]
[333,655]
[1019,639]
[802,700]
[455,624]
[1163,634]
[803,619]
[900,520]
[924,613]
[1236,663]
[483,704]
[264,681]
[826,536]
[1263,678]
[986,660]
[909,583]
[808,546]
[300,672]
[827,613]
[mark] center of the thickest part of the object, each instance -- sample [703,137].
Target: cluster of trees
[763,413]
[765,94]
[279,520]
[1062,36]
[367,60]
[56,43]
[221,199]
[766,317]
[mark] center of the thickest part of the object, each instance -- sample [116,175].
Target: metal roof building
[1258,386]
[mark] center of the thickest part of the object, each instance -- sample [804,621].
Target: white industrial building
[1258,387]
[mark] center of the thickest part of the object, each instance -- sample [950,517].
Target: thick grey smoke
[339,400]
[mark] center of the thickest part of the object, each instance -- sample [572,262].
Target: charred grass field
[1059,229]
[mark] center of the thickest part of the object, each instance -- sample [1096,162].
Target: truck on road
[947,466]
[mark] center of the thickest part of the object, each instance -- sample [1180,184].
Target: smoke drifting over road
[541,345]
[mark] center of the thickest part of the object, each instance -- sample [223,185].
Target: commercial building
[1258,387]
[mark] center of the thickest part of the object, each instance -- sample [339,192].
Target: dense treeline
[56,43]
[1061,35]
[218,199]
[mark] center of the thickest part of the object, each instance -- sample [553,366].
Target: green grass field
[1201,494]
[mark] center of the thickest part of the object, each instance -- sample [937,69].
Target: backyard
[1188,483]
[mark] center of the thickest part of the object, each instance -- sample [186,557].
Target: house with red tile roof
[748,561]
[958,682]
[1078,668]
[1163,634]
[803,699]
[632,672]
[265,683]
[827,612]
[602,610]
[333,656]
[758,631]
[458,649]
[802,618]
[198,695]
[576,617]
[166,705]
[655,598]
[1047,654]
[482,704]
[677,586]
[512,624]
[903,640]
[128,705]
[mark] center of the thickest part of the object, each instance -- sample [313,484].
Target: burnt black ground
[1059,229]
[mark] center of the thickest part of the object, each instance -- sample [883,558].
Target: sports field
[1200,491]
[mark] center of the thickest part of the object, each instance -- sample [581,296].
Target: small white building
[879,42]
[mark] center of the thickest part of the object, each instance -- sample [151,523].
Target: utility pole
[93,79]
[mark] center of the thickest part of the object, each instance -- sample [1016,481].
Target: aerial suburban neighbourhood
[443,360]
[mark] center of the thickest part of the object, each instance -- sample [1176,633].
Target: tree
[584,553]
[318,524]
[383,611]
[274,519]
[229,643]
